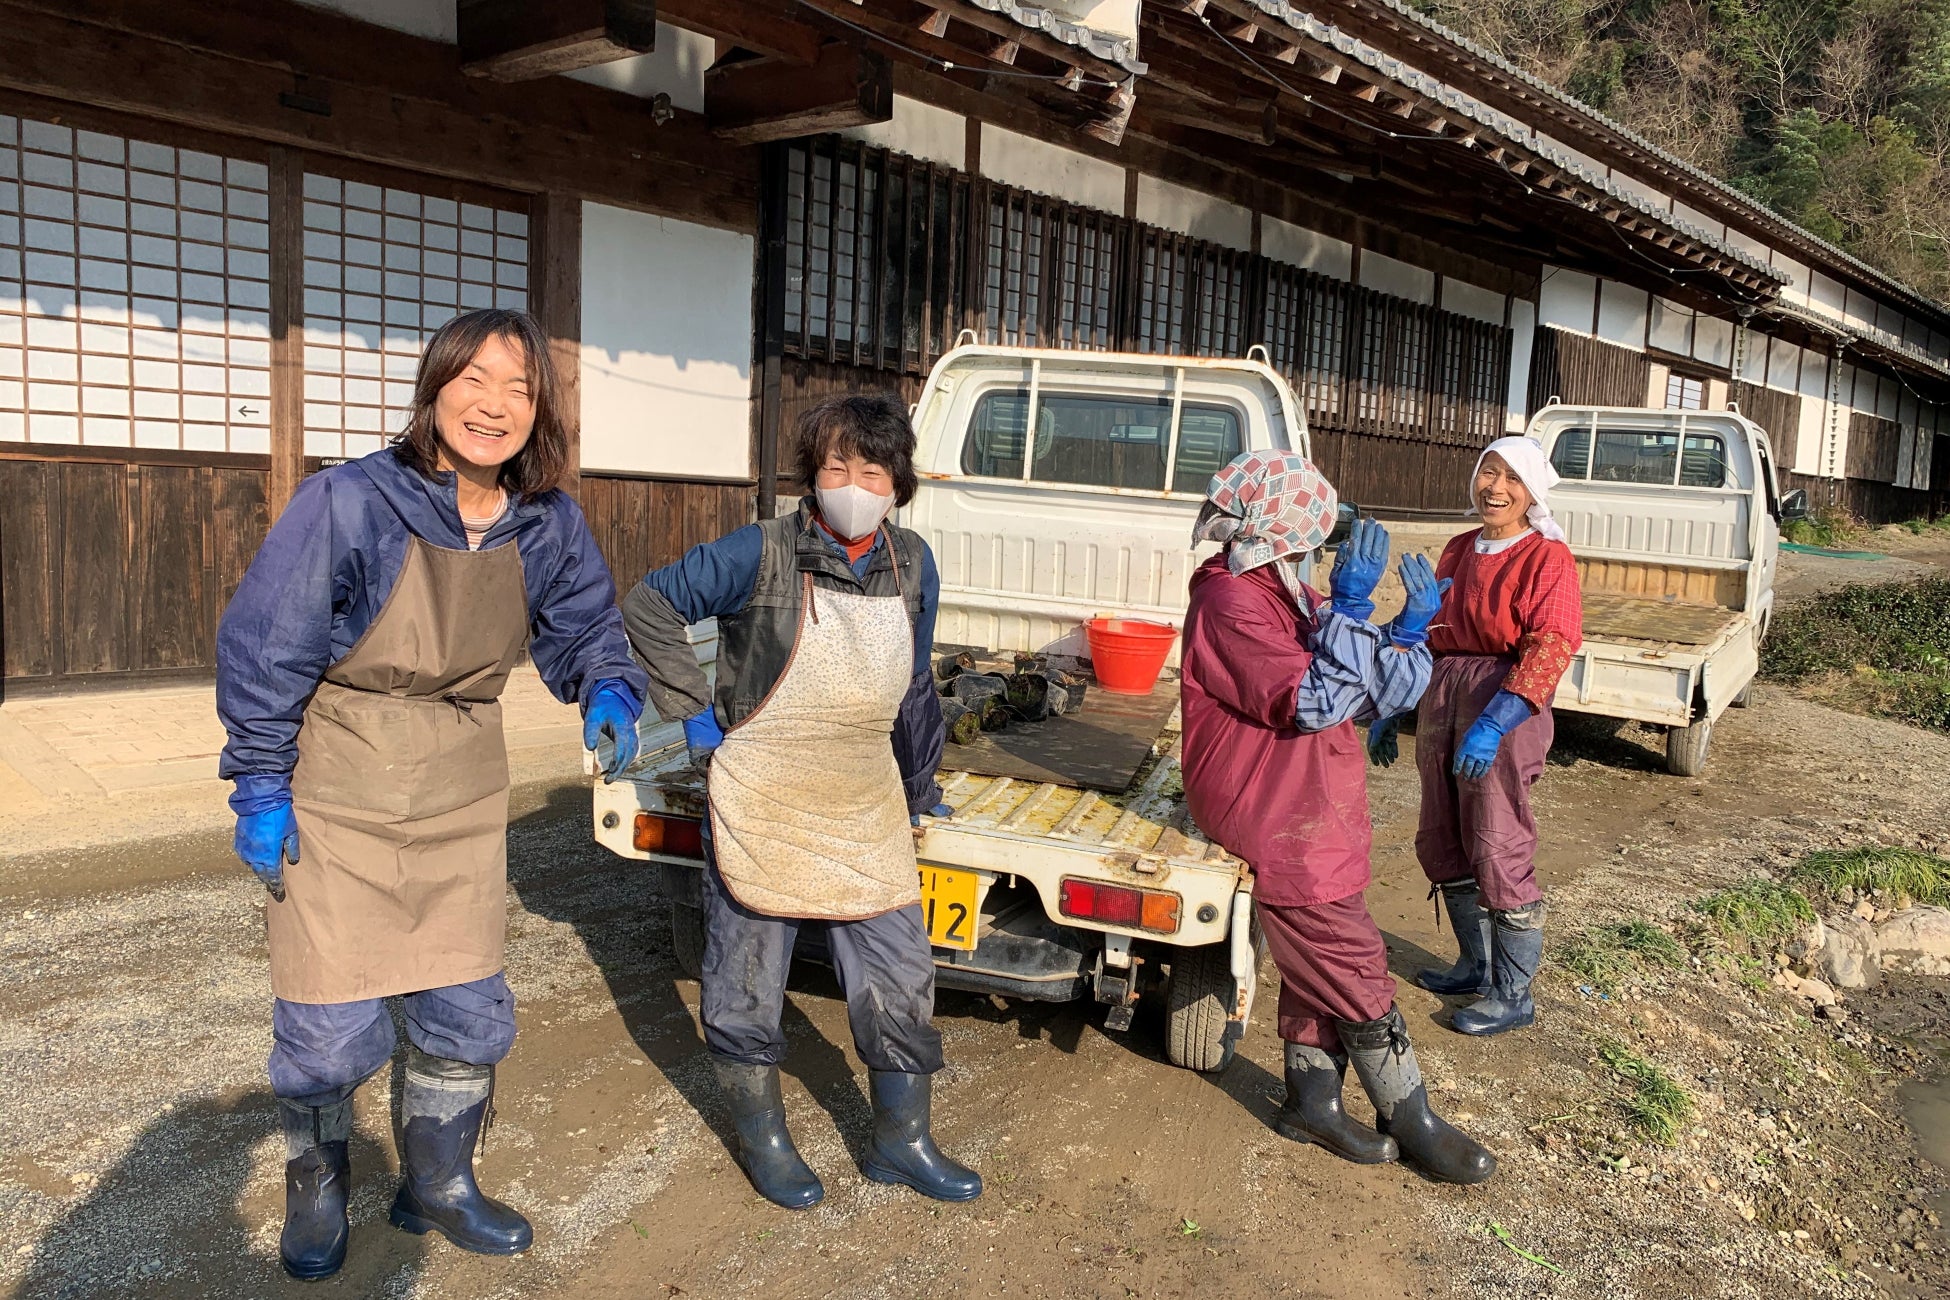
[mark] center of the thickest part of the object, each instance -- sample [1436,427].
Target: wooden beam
[520,40]
[762,31]
[386,98]
[756,100]
[555,271]
[287,262]
[1254,121]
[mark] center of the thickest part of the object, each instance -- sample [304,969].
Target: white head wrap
[1527,461]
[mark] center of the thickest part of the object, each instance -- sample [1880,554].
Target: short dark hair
[872,426]
[538,466]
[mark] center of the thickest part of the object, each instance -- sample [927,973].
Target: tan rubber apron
[401,791]
[807,814]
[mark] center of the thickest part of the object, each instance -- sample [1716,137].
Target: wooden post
[555,270]
[287,236]
[773,180]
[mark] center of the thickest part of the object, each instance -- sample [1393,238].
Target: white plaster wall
[1859,309]
[1641,190]
[1889,319]
[1297,246]
[1192,212]
[1783,365]
[432,19]
[1523,337]
[1045,168]
[1386,275]
[1713,340]
[675,68]
[920,130]
[1672,327]
[1828,296]
[1622,312]
[666,346]
[1116,17]
[1888,395]
[1466,299]
[1700,219]
[1717,394]
[1741,240]
[1755,369]
[1797,274]
[1813,387]
[1567,300]
[1656,376]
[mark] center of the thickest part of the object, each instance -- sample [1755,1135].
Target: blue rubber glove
[940,810]
[1358,569]
[703,734]
[613,712]
[1383,749]
[1411,626]
[266,840]
[1502,715]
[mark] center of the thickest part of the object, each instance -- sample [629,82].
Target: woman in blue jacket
[359,670]
[823,734]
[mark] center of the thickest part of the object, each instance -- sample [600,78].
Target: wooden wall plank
[27,632]
[555,272]
[92,568]
[287,200]
[171,622]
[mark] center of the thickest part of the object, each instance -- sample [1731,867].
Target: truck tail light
[680,837]
[1139,909]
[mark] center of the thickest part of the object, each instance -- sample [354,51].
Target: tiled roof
[1120,50]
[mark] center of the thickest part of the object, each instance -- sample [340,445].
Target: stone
[1809,943]
[1816,992]
[1917,939]
[1851,958]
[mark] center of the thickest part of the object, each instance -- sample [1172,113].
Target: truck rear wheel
[1686,748]
[686,919]
[1198,1004]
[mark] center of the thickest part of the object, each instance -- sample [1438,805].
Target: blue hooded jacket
[325,571]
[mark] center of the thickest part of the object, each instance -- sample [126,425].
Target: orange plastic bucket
[1128,653]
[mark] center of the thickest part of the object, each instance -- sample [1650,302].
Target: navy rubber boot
[441,1116]
[1471,973]
[1516,951]
[903,1149]
[1386,1064]
[1313,1112]
[765,1147]
[317,1181]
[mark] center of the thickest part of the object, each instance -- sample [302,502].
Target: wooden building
[226,229]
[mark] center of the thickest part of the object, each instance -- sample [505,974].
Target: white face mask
[852,511]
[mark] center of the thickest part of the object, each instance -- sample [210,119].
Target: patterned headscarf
[1266,506]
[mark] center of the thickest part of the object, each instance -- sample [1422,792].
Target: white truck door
[1093,513]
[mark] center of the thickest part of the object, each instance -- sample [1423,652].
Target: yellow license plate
[948,903]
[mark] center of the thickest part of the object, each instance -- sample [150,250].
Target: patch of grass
[1603,955]
[1758,910]
[1896,873]
[1658,1107]
[1829,527]
[1889,641]
[1920,527]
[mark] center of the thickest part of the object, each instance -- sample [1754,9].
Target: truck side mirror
[1344,518]
[1794,505]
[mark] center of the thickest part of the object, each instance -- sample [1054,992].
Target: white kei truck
[1038,887]
[1674,517]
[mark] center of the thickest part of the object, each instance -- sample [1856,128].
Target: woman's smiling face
[1501,498]
[486,413]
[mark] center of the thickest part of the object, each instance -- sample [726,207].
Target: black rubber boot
[1471,973]
[1386,1064]
[903,1149]
[441,1117]
[1516,951]
[317,1180]
[1313,1112]
[764,1146]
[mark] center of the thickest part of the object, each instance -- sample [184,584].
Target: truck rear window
[1641,456]
[1100,441]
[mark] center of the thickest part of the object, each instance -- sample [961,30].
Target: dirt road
[140,1155]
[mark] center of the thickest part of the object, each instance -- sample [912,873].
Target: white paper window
[385,268]
[132,275]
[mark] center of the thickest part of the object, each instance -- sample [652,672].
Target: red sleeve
[1245,653]
[1552,614]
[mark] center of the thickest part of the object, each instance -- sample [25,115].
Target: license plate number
[948,904]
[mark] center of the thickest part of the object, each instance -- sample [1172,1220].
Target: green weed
[1658,1106]
[1603,955]
[1888,644]
[1829,527]
[1757,910]
[1895,873]
[1920,526]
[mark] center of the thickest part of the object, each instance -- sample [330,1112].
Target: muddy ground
[138,1152]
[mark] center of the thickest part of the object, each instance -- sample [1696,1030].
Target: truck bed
[1609,616]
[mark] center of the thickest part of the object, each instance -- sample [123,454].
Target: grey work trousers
[884,964]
